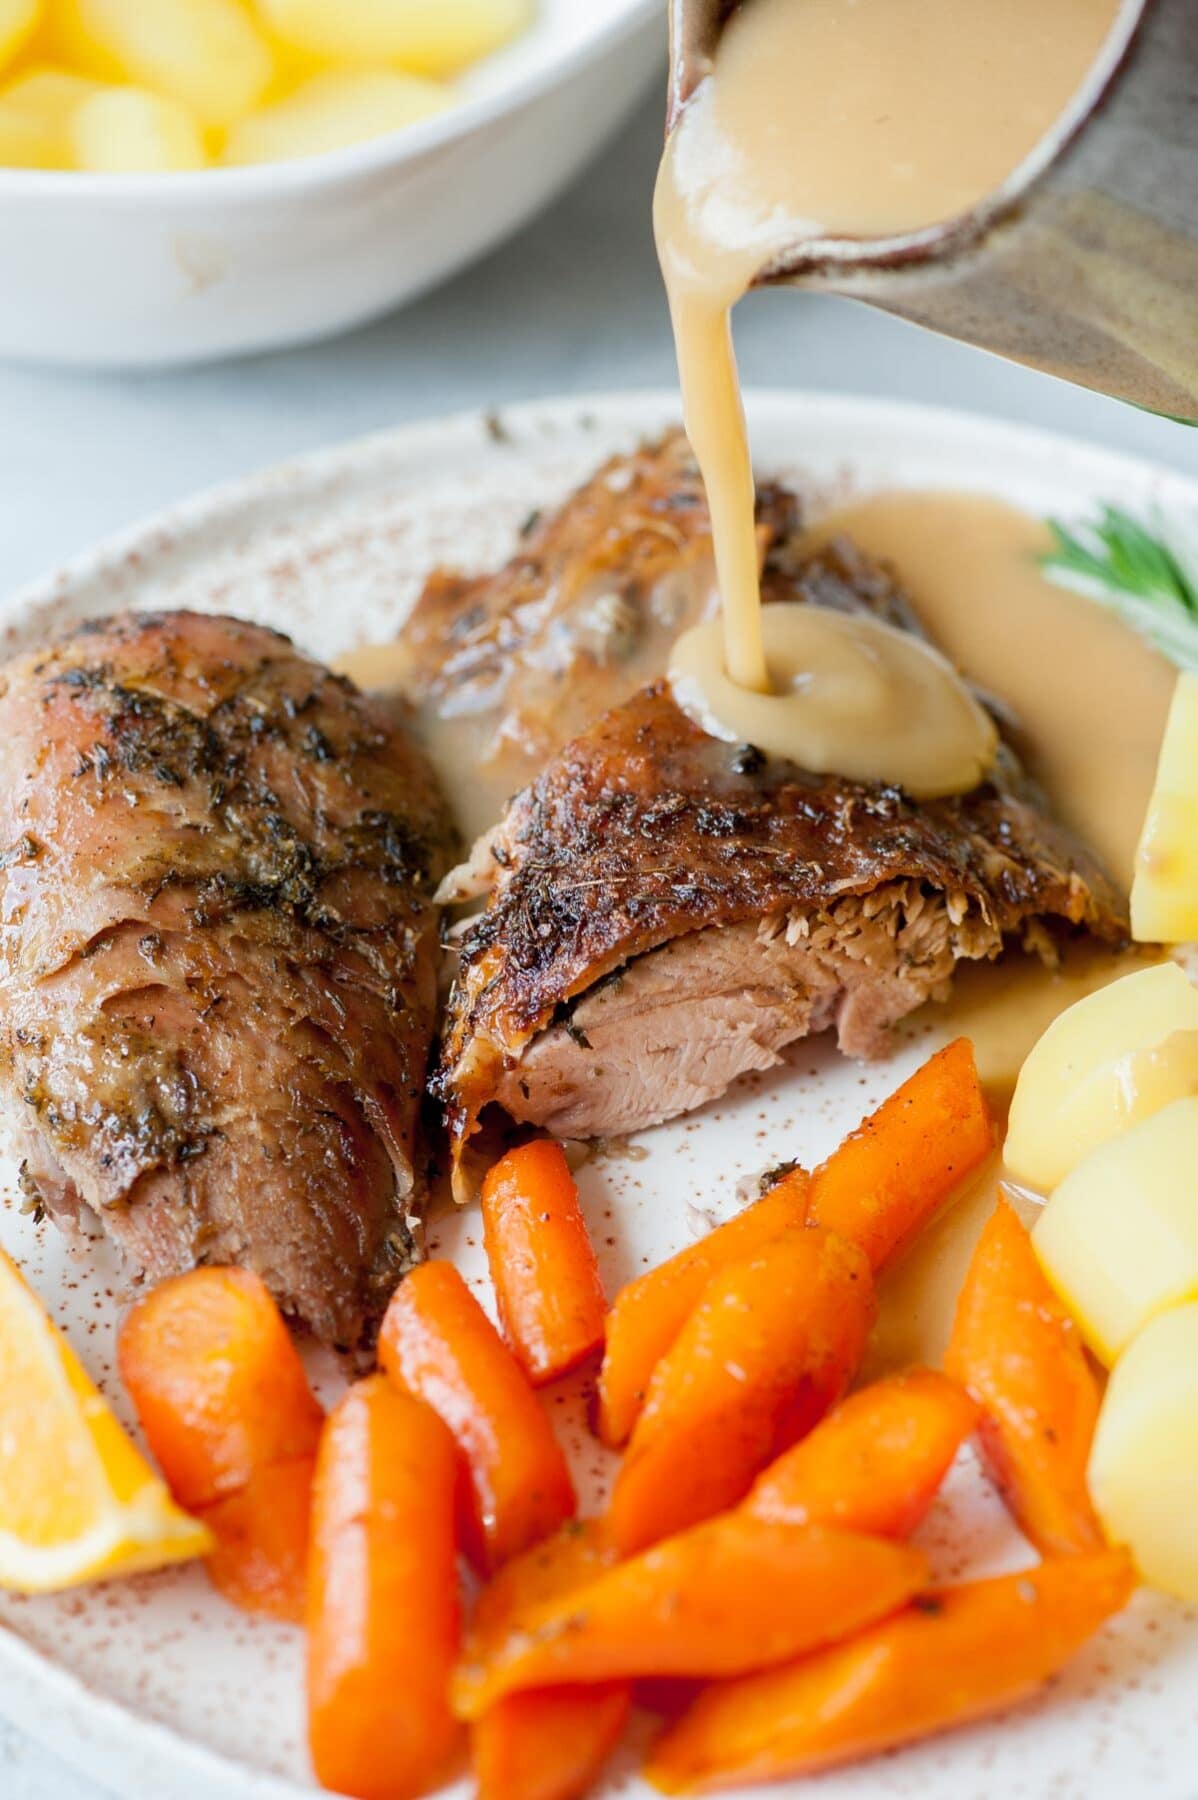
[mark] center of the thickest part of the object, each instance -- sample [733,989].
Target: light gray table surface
[572,305]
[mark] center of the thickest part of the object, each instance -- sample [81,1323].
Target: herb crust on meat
[217,970]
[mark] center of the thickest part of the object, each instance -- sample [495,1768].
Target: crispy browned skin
[644,829]
[218,964]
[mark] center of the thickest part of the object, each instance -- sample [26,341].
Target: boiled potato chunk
[1118,1240]
[1112,1059]
[1164,891]
[125,129]
[429,37]
[17,21]
[331,111]
[24,144]
[47,99]
[207,54]
[1144,1463]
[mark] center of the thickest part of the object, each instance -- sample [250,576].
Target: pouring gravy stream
[825,119]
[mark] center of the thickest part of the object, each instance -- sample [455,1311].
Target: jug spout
[1084,263]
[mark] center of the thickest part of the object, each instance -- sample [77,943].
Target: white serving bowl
[138,270]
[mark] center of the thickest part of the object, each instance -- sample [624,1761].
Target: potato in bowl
[110,86]
[297,230]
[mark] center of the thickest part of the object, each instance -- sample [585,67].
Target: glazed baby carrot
[951,1656]
[773,1342]
[548,1743]
[383,1611]
[260,1562]
[1021,1357]
[734,1593]
[226,1407]
[437,1342]
[573,1557]
[649,1313]
[543,1268]
[874,1464]
[217,1382]
[900,1165]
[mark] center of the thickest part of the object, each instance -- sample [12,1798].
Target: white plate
[154,1685]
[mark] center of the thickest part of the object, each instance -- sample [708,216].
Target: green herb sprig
[1147,577]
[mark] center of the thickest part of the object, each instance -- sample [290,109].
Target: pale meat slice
[673,1028]
[217,977]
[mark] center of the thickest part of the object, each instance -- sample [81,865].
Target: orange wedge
[78,1501]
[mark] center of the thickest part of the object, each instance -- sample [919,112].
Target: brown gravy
[917,1299]
[848,696]
[834,119]
[1088,697]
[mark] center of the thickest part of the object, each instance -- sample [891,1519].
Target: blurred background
[572,303]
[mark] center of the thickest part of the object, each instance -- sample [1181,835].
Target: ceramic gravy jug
[1085,262]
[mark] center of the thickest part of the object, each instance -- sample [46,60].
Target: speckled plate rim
[971,450]
[838,436]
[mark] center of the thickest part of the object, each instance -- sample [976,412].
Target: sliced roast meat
[744,902]
[217,969]
[672,1028]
